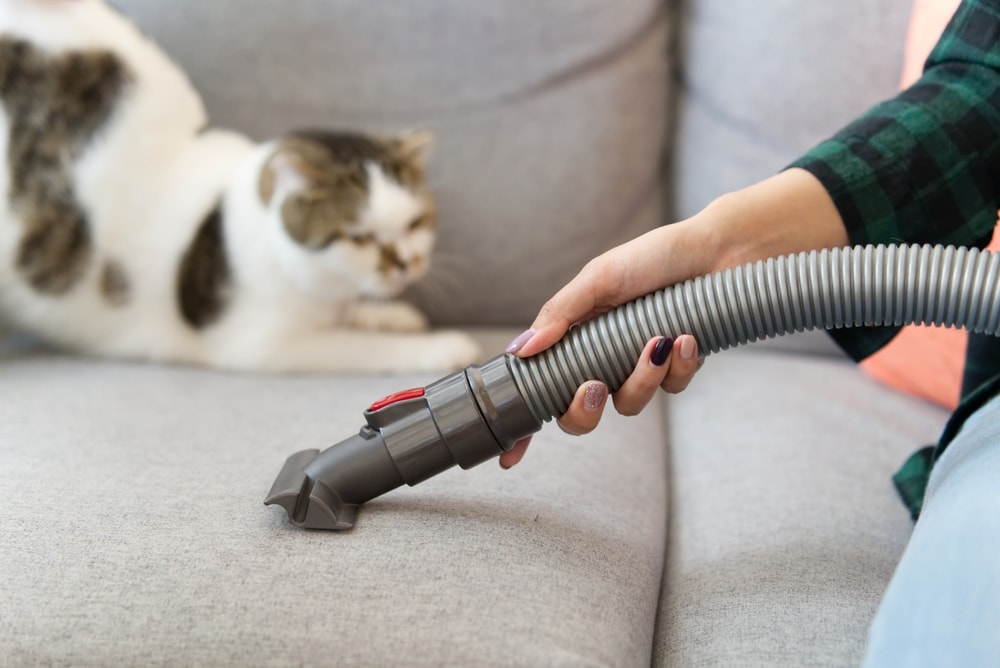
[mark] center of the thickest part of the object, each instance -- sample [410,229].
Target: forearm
[924,167]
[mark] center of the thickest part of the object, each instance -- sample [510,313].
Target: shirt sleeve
[923,167]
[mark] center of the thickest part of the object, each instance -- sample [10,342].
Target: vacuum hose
[477,413]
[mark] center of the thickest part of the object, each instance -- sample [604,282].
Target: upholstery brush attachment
[465,419]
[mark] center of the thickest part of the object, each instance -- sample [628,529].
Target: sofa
[749,521]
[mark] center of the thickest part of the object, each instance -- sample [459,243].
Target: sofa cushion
[549,118]
[762,82]
[132,531]
[784,523]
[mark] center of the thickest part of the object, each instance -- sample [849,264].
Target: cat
[129,229]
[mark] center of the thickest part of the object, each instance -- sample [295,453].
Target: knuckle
[675,385]
[627,406]
[572,431]
[603,273]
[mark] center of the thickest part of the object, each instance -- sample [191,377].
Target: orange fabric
[928,20]
[924,361]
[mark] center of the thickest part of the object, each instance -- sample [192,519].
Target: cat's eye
[418,222]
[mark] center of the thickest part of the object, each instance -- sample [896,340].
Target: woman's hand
[787,213]
[618,276]
[664,363]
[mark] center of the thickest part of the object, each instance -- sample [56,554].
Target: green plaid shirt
[924,167]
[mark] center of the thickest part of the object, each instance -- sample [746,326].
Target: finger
[586,409]
[684,363]
[660,257]
[650,373]
[511,457]
[591,292]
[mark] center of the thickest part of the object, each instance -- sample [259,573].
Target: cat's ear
[285,171]
[416,147]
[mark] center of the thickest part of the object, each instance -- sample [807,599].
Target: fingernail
[519,342]
[595,395]
[661,351]
[687,348]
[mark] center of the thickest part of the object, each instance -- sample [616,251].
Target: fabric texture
[784,526]
[763,82]
[133,532]
[941,606]
[927,22]
[549,118]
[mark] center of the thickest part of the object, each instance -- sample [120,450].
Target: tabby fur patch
[335,167]
[204,277]
[55,106]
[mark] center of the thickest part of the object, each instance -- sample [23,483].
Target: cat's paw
[448,350]
[390,316]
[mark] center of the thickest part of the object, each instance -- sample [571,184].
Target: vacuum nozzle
[322,490]
[464,418]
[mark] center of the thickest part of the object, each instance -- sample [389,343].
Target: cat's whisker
[435,292]
[453,268]
[458,263]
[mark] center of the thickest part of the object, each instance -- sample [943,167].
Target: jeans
[942,606]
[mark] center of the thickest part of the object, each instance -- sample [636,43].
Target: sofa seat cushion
[784,525]
[132,531]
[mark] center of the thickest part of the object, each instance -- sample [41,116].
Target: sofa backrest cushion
[762,82]
[549,117]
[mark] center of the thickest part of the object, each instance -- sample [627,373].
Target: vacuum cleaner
[475,414]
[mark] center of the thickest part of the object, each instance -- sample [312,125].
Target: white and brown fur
[128,230]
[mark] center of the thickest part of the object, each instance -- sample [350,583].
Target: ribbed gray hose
[849,287]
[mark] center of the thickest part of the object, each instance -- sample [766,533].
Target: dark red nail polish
[661,351]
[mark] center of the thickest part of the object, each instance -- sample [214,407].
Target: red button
[414,393]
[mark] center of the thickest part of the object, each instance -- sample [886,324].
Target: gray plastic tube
[829,289]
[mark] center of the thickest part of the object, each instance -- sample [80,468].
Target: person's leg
[942,607]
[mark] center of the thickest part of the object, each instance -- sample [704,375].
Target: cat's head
[350,207]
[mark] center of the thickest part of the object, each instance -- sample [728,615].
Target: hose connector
[464,418]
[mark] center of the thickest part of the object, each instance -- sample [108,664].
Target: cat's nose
[390,259]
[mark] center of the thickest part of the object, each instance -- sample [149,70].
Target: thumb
[590,293]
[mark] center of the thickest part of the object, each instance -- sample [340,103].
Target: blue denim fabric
[942,607]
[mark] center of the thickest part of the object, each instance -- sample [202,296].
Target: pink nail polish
[687,348]
[519,342]
[595,395]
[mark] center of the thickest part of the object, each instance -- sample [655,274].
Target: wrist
[788,213]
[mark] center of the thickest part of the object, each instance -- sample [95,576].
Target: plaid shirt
[924,167]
